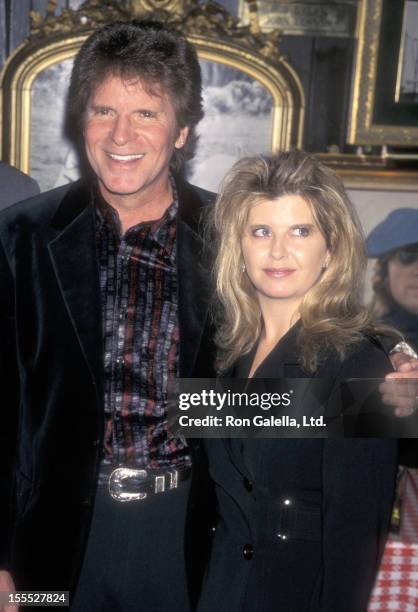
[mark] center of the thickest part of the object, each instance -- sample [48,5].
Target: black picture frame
[387,110]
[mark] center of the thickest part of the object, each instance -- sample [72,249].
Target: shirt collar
[107,216]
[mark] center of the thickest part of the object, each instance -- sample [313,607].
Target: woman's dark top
[301,523]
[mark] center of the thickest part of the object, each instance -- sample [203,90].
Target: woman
[301,523]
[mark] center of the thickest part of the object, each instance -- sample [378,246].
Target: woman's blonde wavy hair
[331,313]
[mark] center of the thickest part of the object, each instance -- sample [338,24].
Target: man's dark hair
[142,50]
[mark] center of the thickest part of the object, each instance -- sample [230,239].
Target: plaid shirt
[138,281]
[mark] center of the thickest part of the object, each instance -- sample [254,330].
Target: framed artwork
[251,105]
[384,108]
[307,18]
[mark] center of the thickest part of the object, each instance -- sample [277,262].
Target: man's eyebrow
[95,106]
[149,109]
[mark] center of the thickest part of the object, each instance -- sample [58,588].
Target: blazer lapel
[193,273]
[233,448]
[73,255]
[227,468]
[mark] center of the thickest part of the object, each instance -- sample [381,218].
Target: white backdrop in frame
[237,122]
[52,159]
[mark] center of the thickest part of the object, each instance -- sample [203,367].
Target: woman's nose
[278,247]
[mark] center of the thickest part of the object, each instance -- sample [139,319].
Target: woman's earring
[243,268]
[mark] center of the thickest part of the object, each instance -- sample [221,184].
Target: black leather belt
[130,484]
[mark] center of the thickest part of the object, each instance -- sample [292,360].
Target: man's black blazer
[51,372]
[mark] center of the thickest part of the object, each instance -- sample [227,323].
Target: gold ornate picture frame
[378,116]
[266,77]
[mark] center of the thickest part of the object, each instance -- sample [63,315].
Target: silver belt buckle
[166,482]
[117,482]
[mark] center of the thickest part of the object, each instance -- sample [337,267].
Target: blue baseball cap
[399,229]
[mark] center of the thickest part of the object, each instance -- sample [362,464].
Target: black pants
[135,555]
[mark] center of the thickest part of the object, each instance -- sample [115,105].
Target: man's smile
[125,158]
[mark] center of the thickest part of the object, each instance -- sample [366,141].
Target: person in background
[394,244]
[15,185]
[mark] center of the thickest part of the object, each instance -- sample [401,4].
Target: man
[15,185]
[104,300]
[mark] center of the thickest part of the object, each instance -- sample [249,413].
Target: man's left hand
[400,389]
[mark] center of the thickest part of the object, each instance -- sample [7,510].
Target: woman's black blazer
[301,522]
